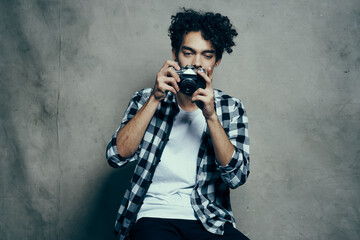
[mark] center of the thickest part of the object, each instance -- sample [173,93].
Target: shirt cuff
[232,165]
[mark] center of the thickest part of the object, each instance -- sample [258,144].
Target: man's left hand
[206,96]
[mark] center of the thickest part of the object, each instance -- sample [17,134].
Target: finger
[170,63]
[173,73]
[170,82]
[200,98]
[210,73]
[200,91]
[165,87]
[206,78]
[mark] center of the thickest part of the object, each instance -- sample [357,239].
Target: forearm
[129,137]
[222,146]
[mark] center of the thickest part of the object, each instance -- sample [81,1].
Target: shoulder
[145,92]
[226,104]
[224,99]
[142,95]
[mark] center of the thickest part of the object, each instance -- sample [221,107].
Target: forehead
[196,41]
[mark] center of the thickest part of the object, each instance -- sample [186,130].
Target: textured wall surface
[68,69]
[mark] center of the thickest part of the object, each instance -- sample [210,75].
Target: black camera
[190,80]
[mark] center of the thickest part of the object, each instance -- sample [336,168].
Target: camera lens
[188,86]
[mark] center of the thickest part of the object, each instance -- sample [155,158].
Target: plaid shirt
[210,197]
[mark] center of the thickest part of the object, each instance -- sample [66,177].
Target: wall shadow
[101,223]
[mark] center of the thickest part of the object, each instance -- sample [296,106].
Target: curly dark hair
[213,26]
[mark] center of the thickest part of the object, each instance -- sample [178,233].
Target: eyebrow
[192,50]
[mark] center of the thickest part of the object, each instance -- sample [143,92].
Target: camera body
[190,80]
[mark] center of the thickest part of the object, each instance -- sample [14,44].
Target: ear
[217,63]
[174,54]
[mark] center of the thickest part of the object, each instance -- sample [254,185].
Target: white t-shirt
[175,176]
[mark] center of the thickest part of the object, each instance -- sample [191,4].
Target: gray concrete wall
[68,69]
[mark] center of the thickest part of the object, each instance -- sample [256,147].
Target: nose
[197,61]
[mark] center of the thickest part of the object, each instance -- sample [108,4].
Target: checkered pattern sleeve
[235,173]
[136,102]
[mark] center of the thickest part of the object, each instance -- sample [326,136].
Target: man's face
[196,51]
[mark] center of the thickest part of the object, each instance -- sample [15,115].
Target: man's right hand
[166,80]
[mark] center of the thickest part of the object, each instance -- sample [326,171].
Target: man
[187,157]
